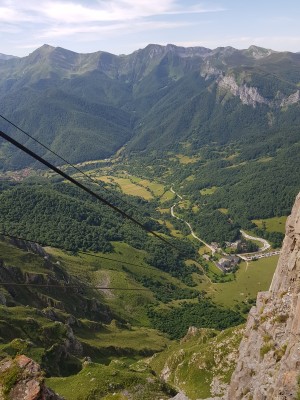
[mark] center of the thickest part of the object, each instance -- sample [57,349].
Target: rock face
[201,364]
[249,95]
[22,379]
[268,367]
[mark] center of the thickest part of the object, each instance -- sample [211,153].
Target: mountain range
[87,106]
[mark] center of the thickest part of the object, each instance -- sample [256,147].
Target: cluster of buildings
[227,264]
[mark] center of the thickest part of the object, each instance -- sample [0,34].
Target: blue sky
[122,26]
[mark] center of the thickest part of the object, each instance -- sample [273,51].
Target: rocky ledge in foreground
[22,379]
[268,367]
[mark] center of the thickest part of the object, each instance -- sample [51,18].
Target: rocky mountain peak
[259,52]
[44,49]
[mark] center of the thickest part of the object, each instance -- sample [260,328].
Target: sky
[123,26]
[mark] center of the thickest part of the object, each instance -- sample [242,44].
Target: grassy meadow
[252,277]
[276,224]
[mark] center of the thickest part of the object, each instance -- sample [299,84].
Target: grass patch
[265,159]
[204,250]
[266,348]
[128,187]
[223,210]
[190,178]
[167,196]
[97,381]
[12,255]
[208,191]
[122,340]
[156,188]
[275,224]
[164,210]
[186,159]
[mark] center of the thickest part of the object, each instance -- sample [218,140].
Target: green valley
[201,148]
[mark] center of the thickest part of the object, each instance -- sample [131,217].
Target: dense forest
[203,314]
[60,215]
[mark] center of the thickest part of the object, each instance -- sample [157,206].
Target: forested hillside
[158,97]
[233,113]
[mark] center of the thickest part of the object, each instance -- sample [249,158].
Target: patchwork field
[128,187]
[135,186]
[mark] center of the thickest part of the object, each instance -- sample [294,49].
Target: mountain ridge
[148,99]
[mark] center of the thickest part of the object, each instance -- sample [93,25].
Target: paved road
[245,257]
[266,244]
[178,195]
[189,225]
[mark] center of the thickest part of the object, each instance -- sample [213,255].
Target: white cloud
[138,26]
[80,20]
[70,12]
[9,29]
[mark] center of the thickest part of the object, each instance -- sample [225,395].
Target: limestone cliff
[268,367]
[250,95]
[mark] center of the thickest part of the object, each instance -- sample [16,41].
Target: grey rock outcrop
[292,99]
[250,95]
[268,367]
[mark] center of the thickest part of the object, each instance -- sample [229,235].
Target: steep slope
[50,312]
[268,364]
[202,363]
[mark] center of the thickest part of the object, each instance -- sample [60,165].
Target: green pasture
[208,191]
[252,277]
[223,210]
[275,224]
[127,340]
[168,195]
[110,382]
[184,159]
[98,270]
[128,186]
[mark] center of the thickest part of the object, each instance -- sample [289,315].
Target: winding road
[212,249]
[245,257]
[266,244]
[191,230]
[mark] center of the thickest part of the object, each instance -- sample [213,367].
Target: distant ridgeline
[233,114]
[86,106]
